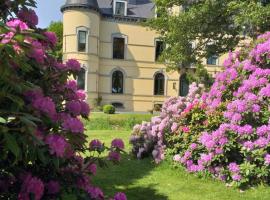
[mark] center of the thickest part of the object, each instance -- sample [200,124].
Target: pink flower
[120,196]
[37,52]
[177,158]
[17,24]
[267,159]
[174,127]
[118,143]
[6,38]
[185,129]
[81,95]
[234,168]
[51,37]
[57,144]
[73,125]
[53,187]
[31,185]
[29,16]
[73,65]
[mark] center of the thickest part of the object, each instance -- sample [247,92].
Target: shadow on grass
[124,177]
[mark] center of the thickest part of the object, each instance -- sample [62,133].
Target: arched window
[81,79]
[159,84]
[184,85]
[117,82]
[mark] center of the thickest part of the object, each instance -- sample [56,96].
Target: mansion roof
[136,9]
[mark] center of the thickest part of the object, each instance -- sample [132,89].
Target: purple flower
[92,168]
[37,52]
[51,37]
[193,146]
[85,109]
[95,192]
[73,125]
[114,156]
[29,16]
[236,177]
[120,196]
[72,85]
[45,105]
[74,107]
[31,185]
[95,145]
[73,65]
[118,143]
[57,144]
[53,187]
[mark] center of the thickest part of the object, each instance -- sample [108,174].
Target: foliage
[213,27]
[225,133]
[57,28]
[108,109]
[201,76]
[42,137]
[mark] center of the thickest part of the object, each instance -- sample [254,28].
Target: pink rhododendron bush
[225,132]
[42,140]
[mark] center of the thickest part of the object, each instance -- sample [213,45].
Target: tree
[57,28]
[207,27]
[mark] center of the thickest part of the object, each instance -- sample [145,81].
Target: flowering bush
[42,140]
[148,138]
[225,132]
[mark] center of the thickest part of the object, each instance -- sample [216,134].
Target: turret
[81,22]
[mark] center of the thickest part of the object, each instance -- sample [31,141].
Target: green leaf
[67,196]
[12,144]
[2,120]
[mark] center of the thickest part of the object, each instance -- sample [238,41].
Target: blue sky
[48,10]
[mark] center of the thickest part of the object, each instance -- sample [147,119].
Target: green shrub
[109,109]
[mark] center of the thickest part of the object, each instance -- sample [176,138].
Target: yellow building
[118,55]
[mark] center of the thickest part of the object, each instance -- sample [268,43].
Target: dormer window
[120,7]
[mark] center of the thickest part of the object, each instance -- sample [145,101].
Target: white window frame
[83,28]
[114,6]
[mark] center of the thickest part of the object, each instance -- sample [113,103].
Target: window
[118,48]
[212,60]
[159,83]
[81,79]
[118,105]
[82,41]
[120,8]
[159,49]
[117,82]
[184,85]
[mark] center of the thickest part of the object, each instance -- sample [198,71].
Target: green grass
[101,121]
[144,180]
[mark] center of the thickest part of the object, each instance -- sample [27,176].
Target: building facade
[119,56]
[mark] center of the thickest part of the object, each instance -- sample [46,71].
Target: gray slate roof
[143,9]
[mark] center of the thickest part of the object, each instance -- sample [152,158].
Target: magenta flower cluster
[45,110]
[231,137]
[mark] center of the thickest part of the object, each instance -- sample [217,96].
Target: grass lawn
[123,121]
[143,180]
